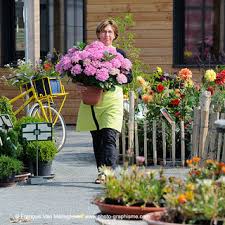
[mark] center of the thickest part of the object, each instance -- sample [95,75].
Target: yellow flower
[189,195]
[189,83]
[190,187]
[159,70]
[210,75]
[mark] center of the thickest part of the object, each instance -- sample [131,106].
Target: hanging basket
[92,95]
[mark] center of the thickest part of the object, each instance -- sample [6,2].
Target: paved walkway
[66,198]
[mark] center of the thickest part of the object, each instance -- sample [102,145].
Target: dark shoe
[100,179]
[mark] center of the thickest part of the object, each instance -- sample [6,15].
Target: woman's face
[107,35]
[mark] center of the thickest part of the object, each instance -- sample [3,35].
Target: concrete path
[66,199]
[63,200]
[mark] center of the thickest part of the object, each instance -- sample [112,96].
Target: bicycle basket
[47,86]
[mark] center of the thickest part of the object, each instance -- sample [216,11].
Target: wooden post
[219,145]
[182,136]
[213,135]
[164,141]
[173,143]
[145,143]
[32,30]
[131,127]
[195,132]
[123,133]
[154,142]
[205,103]
[136,138]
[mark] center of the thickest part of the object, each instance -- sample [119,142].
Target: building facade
[170,33]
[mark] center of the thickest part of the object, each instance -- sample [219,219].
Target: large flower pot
[154,218]
[124,210]
[92,95]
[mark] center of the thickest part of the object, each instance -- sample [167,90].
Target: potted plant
[200,202]
[43,75]
[131,191]
[8,168]
[96,66]
[46,153]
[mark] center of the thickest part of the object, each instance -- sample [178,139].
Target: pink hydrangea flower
[121,79]
[90,70]
[102,74]
[76,69]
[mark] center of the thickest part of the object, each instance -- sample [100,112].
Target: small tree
[126,41]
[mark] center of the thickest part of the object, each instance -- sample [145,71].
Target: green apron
[109,112]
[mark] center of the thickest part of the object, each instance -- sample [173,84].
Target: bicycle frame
[39,100]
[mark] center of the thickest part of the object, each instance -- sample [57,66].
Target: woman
[104,120]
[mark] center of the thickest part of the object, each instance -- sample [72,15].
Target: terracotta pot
[92,95]
[154,219]
[124,210]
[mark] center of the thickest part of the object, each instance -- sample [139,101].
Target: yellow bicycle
[42,93]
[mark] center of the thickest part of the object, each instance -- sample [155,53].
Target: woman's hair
[104,24]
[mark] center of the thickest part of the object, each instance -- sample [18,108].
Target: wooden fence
[169,144]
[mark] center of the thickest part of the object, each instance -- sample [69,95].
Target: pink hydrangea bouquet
[95,65]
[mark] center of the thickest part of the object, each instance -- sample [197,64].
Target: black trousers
[104,144]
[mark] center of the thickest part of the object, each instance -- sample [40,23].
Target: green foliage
[10,144]
[47,150]
[9,167]
[6,108]
[126,41]
[134,186]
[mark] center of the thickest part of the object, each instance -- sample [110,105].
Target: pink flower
[121,79]
[76,69]
[66,63]
[75,58]
[107,65]
[83,54]
[114,71]
[102,74]
[116,63]
[126,64]
[90,70]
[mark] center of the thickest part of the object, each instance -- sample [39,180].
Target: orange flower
[141,80]
[189,162]
[147,98]
[185,74]
[222,169]
[210,161]
[196,159]
[182,199]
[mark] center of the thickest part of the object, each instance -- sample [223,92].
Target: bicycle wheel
[58,127]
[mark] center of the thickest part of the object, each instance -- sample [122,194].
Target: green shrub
[6,108]
[9,167]
[10,144]
[47,150]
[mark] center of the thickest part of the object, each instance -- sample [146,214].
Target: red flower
[220,78]
[175,102]
[177,114]
[160,88]
[211,90]
[47,66]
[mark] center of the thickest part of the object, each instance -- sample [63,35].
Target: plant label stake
[37,132]
[5,122]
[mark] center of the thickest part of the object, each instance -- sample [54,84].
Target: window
[61,26]
[199,32]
